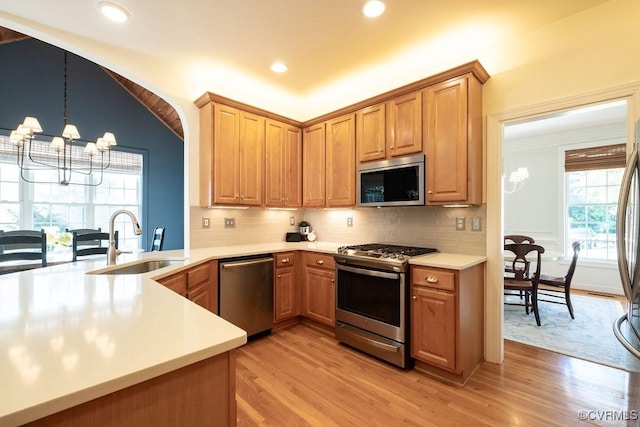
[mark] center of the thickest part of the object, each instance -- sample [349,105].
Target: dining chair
[22,245]
[521,280]
[517,238]
[158,239]
[89,241]
[558,288]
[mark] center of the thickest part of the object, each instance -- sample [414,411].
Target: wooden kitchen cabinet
[313,166]
[329,175]
[390,129]
[453,141]
[447,320]
[285,292]
[198,284]
[283,165]
[231,156]
[319,291]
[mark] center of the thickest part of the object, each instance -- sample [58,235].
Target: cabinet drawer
[314,259]
[285,259]
[198,275]
[434,278]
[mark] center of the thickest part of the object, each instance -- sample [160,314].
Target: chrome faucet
[113,252]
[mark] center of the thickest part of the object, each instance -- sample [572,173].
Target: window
[593,178]
[54,208]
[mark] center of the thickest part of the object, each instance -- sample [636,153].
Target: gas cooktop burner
[384,251]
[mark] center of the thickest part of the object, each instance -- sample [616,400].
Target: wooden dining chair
[557,289]
[157,241]
[520,280]
[22,245]
[89,241]
[517,238]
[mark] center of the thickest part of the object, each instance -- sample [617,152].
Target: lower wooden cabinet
[447,320]
[286,294]
[319,291]
[199,284]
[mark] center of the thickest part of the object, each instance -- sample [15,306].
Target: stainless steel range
[372,299]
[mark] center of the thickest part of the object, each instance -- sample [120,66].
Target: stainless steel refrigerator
[627,327]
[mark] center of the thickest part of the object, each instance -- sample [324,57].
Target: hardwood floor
[303,376]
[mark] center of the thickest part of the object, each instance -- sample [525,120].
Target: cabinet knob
[319,261]
[429,192]
[414,298]
[332,280]
[279,276]
[285,260]
[431,279]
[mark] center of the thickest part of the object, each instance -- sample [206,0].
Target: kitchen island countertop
[67,337]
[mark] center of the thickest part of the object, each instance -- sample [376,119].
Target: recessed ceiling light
[278,67]
[113,11]
[373,8]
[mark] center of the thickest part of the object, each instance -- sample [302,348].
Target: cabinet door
[274,163]
[371,133]
[446,142]
[313,166]
[433,327]
[251,158]
[404,125]
[293,166]
[226,154]
[285,295]
[341,161]
[283,165]
[203,296]
[319,295]
[202,285]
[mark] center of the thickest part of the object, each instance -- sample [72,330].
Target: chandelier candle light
[61,154]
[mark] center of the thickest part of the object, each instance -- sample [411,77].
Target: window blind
[119,161]
[605,157]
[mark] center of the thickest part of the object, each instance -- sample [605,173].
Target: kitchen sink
[139,267]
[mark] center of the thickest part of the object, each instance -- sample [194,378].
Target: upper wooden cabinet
[329,163]
[283,164]
[341,161]
[390,129]
[232,141]
[313,166]
[453,141]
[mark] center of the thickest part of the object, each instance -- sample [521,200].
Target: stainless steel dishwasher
[246,293]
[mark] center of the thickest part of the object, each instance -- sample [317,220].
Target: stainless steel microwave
[393,182]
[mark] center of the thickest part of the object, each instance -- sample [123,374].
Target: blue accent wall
[32,83]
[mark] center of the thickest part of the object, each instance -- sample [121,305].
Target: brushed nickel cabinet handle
[319,261]
[431,279]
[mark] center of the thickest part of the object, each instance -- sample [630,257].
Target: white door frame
[494,314]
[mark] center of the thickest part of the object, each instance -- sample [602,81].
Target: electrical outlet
[205,223]
[476,224]
[292,220]
[229,223]
[460,223]
[350,221]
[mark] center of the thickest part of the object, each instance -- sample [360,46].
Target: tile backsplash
[431,226]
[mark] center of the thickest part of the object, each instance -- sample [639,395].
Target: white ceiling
[335,55]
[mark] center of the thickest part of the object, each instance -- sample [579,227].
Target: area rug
[589,336]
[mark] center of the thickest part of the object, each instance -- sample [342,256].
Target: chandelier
[63,154]
[516,178]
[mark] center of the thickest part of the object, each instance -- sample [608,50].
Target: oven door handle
[386,347]
[366,272]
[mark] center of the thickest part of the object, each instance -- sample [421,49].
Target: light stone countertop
[67,337]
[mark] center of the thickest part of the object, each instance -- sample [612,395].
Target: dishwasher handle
[235,264]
